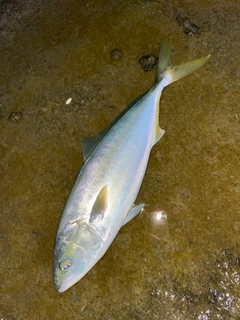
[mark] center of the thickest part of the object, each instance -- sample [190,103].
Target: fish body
[103,196]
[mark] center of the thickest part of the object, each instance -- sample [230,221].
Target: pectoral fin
[133,212]
[100,205]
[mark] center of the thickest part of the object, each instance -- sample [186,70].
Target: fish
[103,197]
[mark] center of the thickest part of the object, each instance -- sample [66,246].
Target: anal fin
[158,133]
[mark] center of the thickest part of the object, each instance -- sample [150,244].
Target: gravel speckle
[116,54]
[148,62]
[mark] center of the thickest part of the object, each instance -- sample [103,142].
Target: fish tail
[169,73]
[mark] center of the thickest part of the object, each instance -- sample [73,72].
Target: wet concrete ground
[51,51]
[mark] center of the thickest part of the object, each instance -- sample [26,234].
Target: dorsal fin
[90,143]
[100,205]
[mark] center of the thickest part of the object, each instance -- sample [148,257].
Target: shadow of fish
[103,196]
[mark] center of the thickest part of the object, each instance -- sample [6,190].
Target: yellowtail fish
[103,196]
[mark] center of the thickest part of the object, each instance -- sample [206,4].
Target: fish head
[76,249]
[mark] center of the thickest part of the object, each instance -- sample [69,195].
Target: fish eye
[65,265]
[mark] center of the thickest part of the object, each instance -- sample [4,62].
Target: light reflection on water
[159,216]
[157,222]
[222,296]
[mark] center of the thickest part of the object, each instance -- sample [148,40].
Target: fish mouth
[58,287]
[63,284]
[58,283]
[61,289]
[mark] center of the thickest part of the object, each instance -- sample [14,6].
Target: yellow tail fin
[166,68]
